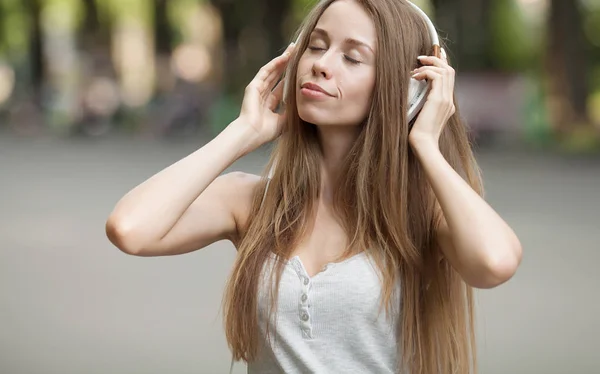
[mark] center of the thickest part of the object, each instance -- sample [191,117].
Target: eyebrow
[350,41]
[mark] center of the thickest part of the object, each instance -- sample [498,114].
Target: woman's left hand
[439,106]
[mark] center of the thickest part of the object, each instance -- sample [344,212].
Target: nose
[322,66]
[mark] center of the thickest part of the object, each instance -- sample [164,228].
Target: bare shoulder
[239,181]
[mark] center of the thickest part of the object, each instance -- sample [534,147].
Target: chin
[327,121]
[315,120]
[313,115]
[321,117]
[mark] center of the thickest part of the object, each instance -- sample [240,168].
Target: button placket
[304,317]
[305,323]
[303,307]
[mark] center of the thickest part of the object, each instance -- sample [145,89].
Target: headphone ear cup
[417,95]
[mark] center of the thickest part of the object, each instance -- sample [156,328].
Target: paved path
[72,304]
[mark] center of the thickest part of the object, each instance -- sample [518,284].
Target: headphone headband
[418,89]
[430,26]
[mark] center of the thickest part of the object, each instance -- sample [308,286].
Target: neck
[336,142]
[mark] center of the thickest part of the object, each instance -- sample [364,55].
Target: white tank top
[330,323]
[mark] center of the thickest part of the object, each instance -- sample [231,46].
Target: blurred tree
[36,58]
[566,67]
[232,13]
[96,26]
[91,22]
[274,18]
[260,23]
[515,44]
[466,24]
[162,28]
[253,33]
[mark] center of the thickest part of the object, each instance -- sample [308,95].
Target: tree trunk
[35,50]
[566,68]
[162,28]
[276,13]
[465,24]
[232,29]
[92,20]
[253,20]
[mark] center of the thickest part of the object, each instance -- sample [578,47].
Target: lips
[315,87]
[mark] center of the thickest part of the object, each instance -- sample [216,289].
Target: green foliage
[178,12]
[300,9]
[515,45]
[64,14]
[223,112]
[536,124]
[14,25]
[591,28]
[138,10]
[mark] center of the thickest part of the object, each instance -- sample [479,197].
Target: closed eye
[349,59]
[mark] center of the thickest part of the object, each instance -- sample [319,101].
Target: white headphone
[417,95]
[417,90]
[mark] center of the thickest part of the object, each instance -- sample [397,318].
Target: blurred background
[98,95]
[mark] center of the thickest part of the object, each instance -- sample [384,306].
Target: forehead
[347,19]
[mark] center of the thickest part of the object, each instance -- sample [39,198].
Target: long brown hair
[383,201]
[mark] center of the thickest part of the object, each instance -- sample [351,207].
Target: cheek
[358,90]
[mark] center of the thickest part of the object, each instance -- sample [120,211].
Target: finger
[276,96]
[440,89]
[428,74]
[432,60]
[264,86]
[444,56]
[450,80]
[272,68]
[275,64]
[442,63]
[447,81]
[441,71]
[434,77]
[267,75]
[290,48]
[276,73]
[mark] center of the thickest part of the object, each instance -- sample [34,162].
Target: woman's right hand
[260,100]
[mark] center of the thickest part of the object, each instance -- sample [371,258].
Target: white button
[304,297]
[305,281]
[304,317]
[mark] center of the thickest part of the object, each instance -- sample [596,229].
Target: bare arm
[474,239]
[185,206]
[477,242]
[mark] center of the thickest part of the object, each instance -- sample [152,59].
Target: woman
[360,252]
